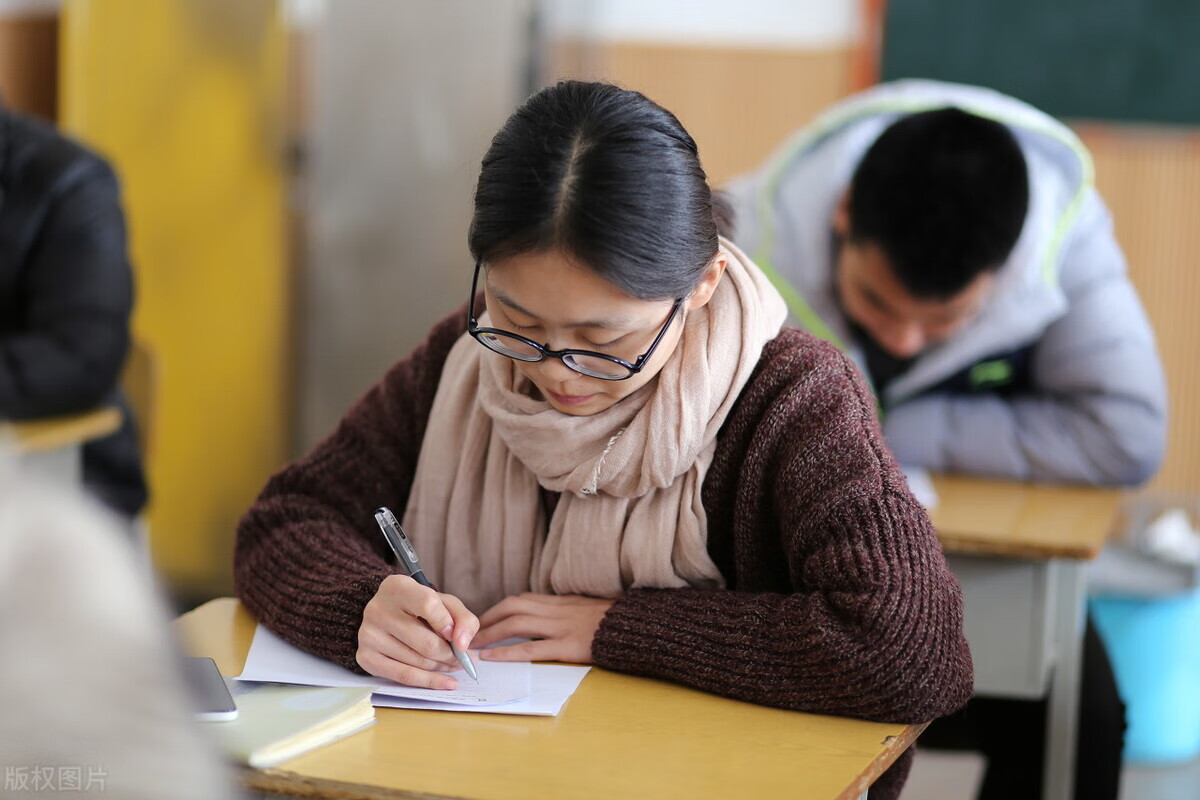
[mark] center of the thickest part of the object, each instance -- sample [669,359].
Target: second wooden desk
[1020,551]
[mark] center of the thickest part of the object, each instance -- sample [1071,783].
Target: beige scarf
[630,512]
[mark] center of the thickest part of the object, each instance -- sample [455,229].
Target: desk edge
[285,783]
[966,545]
[896,745]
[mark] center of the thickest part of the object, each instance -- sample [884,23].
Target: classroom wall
[1150,178]
[740,77]
[405,98]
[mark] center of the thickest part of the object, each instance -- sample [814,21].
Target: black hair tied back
[607,176]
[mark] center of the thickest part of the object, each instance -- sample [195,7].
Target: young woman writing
[615,451]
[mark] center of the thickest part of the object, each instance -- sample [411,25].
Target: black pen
[406,556]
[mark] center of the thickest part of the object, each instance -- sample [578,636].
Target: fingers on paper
[419,647]
[393,628]
[529,603]
[524,626]
[377,641]
[538,650]
[567,625]
[379,664]
[537,616]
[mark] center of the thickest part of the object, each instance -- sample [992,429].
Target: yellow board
[185,97]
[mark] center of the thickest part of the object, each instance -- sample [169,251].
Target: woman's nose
[555,370]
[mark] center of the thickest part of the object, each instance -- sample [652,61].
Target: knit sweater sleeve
[840,601]
[308,556]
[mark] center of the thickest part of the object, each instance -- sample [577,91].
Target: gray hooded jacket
[1057,378]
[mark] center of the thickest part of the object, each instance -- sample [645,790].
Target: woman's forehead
[553,286]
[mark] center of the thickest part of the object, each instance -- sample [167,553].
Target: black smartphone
[212,699]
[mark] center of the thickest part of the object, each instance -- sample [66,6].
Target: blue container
[1154,645]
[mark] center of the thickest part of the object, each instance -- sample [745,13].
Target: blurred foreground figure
[92,695]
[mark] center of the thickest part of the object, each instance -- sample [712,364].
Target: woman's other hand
[561,627]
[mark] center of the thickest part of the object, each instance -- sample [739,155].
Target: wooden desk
[1020,552]
[617,737]
[50,447]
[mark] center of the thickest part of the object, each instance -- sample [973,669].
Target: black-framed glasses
[585,362]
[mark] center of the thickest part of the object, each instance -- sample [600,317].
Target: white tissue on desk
[1170,537]
[921,486]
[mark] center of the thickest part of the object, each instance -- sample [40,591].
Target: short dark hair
[944,194]
[604,174]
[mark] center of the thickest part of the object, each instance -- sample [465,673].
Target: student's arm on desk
[841,601]
[308,556]
[1100,413]
[75,298]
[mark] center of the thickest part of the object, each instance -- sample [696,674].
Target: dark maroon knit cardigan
[838,602]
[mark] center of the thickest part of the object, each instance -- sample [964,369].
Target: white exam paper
[272,659]
[553,684]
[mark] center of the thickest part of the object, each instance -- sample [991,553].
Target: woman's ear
[708,281]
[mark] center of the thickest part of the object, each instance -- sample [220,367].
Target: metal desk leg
[1062,719]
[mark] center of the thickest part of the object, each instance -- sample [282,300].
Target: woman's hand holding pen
[561,627]
[397,641]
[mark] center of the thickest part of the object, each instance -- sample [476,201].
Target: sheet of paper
[553,684]
[272,659]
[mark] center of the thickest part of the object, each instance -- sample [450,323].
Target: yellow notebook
[276,722]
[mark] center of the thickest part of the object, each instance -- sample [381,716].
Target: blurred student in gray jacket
[950,238]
